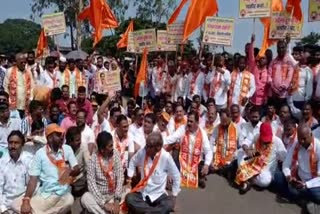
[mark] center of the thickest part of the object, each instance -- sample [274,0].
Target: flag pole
[254,25]
[290,22]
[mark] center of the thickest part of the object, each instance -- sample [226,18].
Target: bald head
[154,143]
[21,60]
[304,135]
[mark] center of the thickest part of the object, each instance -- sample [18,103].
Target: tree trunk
[78,25]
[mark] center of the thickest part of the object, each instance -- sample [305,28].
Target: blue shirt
[48,172]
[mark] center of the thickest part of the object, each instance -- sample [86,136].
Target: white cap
[62,59]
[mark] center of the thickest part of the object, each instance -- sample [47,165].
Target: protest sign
[314,10]
[145,39]
[218,31]
[282,23]
[162,42]
[254,8]
[54,24]
[175,33]
[113,83]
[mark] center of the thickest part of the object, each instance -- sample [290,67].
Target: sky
[227,8]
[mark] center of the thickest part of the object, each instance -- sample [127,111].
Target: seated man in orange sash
[194,144]
[301,168]
[105,178]
[225,139]
[150,195]
[258,160]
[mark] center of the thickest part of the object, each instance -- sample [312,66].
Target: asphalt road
[220,198]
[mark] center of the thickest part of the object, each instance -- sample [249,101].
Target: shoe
[244,188]
[313,208]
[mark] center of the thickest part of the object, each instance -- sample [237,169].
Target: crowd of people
[252,119]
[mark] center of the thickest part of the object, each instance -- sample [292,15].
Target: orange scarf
[122,148]
[295,81]
[80,80]
[244,88]
[252,168]
[312,160]
[177,123]
[215,84]
[209,127]
[143,183]
[291,139]
[189,165]
[284,73]
[193,82]
[13,87]
[225,150]
[108,172]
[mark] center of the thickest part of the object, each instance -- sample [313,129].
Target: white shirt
[248,132]
[178,135]
[238,87]
[221,94]
[14,178]
[181,88]
[241,121]
[157,83]
[129,144]
[203,120]
[316,133]
[304,170]
[172,124]
[33,69]
[156,185]
[134,129]
[87,136]
[277,127]
[47,79]
[317,92]
[6,129]
[198,86]
[305,85]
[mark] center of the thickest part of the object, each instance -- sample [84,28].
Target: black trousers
[136,204]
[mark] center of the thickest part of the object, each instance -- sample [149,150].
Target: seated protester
[83,103]
[37,140]
[150,195]
[258,160]
[51,169]
[196,105]
[179,119]
[210,121]
[278,124]
[104,177]
[236,115]
[225,140]
[73,139]
[289,136]
[250,129]
[7,125]
[70,119]
[162,124]
[35,114]
[123,140]
[54,115]
[271,112]
[147,128]
[137,123]
[305,115]
[87,135]
[301,168]
[194,145]
[14,171]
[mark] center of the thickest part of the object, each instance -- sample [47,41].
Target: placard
[162,42]
[254,8]
[54,24]
[282,24]
[175,33]
[145,39]
[113,83]
[131,45]
[314,11]
[218,31]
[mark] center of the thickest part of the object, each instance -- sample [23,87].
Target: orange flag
[42,44]
[100,16]
[176,13]
[294,5]
[143,72]
[123,42]
[197,13]
[276,6]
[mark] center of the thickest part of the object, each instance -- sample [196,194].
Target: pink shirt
[88,108]
[280,83]
[67,122]
[261,79]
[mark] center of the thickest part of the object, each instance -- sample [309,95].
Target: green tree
[18,35]
[311,39]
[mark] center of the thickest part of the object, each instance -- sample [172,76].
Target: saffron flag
[196,15]
[123,42]
[294,7]
[143,72]
[42,44]
[100,17]
[177,11]
[276,6]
